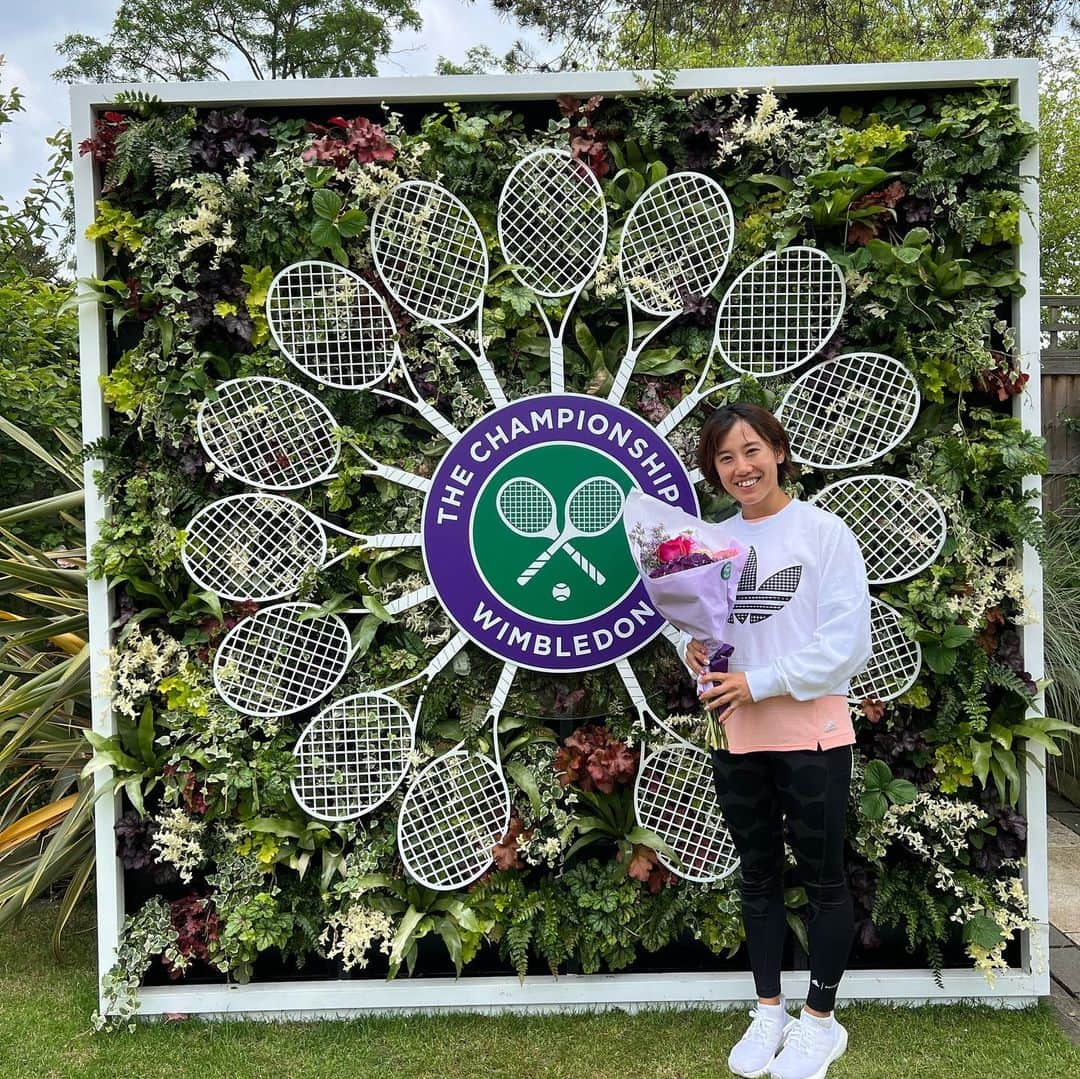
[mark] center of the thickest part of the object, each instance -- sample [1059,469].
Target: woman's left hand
[728,692]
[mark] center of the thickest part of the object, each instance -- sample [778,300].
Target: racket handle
[585,565]
[622,376]
[536,566]
[678,413]
[438,421]
[391,540]
[558,382]
[398,476]
[490,380]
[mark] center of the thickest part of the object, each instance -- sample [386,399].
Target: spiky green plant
[46,824]
[1061,614]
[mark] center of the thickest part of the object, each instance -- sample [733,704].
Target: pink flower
[671,549]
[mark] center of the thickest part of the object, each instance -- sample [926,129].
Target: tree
[191,40]
[694,33]
[1059,153]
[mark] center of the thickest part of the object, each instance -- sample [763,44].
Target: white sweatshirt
[801,624]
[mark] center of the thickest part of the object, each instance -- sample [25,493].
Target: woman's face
[747,466]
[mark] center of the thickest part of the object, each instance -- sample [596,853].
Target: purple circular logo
[523,537]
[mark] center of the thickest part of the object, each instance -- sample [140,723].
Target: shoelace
[804,1037]
[759,1030]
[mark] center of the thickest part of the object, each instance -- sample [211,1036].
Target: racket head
[594,505]
[899,526]
[429,252]
[455,810]
[268,433]
[274,663]
[252,546]
[552,223]
[850,410]
[779,311]
[525,506]
[352,757]
[675,797]
[895,659]
[331,324]
[676,242]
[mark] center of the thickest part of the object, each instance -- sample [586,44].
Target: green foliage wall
[916,197]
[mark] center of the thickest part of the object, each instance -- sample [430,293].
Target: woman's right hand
[697,657]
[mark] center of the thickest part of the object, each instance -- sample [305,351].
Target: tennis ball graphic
[561,592]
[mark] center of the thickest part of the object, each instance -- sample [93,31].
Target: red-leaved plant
[197,927]
[594,761]
[345,141]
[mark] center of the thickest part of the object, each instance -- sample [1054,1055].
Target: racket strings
[895,659]
[780,312]
[352,757]
[552,224]
[332,325]
[900,528]
[675,243]
[269,434]
[273,663]
[595,507]
[252,547]
[850,411]
[526,507]
[452,817]
[676,799]
[430,252]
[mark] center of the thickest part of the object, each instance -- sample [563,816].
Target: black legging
[809,788]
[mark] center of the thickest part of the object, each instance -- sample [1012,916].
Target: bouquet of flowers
[691,571]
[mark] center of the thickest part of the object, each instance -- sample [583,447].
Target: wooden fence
[1060,402]
[1060,394]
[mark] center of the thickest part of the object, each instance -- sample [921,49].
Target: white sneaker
[753,1052]
[811,1044]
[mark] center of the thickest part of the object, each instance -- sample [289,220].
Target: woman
[801,629]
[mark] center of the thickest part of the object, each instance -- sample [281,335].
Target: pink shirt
[778,723]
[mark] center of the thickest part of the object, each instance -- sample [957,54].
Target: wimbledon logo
[523,536]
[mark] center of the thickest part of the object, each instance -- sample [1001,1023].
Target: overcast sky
[29,32]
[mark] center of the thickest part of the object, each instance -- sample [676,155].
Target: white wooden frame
[311,999]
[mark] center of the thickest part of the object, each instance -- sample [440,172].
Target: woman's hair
[761,420]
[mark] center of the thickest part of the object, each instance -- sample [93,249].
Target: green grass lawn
[45,1031]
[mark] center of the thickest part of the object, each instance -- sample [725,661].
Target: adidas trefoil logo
[757,603]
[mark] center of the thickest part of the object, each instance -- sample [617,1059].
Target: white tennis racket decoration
[675,797]
[775,316]
[332,325]
[895,659]
[552,224]
[675,244]
[354,755]
[900,528]
[277,661]
[850,410]
[259,546]
[430,253]
[591,509]
[277,436]
[456,809]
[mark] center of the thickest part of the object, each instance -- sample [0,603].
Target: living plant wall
[915,198]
